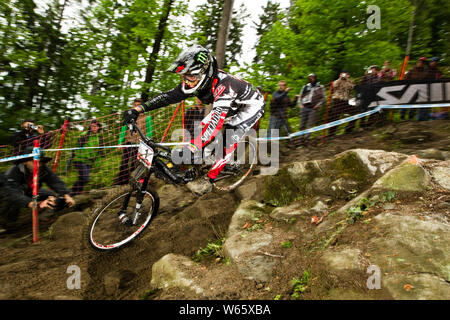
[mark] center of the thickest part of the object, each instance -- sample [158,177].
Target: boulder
[348,171]
[409,245]
[175,271]
[378,162]
[441,174]
[243,246]
[244,252]
[410,176]
[416,287]
[246,211]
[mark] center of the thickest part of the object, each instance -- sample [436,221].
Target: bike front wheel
[106,232]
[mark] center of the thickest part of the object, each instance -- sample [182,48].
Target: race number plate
[145,154]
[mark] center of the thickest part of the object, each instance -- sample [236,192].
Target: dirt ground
[39,271]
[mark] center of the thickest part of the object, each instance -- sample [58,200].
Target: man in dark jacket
[26,136]
[278,107]
[18,188]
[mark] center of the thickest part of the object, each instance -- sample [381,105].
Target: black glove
[130,115]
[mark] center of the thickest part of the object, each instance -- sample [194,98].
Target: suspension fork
[139,199]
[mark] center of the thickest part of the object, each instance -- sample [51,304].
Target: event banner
[403,92]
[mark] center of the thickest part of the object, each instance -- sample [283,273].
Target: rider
[232,99]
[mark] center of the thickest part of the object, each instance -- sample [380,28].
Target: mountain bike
[127,212]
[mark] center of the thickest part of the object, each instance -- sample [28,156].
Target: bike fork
[139,199]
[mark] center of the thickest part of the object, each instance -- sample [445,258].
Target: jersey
[233,100]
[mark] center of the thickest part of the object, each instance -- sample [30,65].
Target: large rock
[378,162]
[441,174]
[243,247]
[348,171]
[244,252]
[175,271]
[407,177]
[416,287]
[408,249]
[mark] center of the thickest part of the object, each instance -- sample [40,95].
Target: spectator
[83,159]
[129,154]
[278,107]
[433,72]
[418,72]
[18,189]
[371,77]
[194,114]
[29,133]
[387,74]
[312,97]
[342,88]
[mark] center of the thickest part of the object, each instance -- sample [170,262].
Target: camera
[32,127]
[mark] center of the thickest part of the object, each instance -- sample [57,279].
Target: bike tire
[104,221]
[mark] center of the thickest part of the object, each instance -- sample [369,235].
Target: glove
[130,115]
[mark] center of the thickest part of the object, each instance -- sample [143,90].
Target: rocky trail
[361,216]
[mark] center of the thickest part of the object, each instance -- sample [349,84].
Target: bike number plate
[145,154]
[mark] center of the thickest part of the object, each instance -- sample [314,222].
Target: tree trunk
[222,38]
[156,46]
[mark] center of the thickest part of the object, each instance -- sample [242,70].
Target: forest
[79,59]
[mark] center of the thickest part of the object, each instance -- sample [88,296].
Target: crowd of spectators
[313,106]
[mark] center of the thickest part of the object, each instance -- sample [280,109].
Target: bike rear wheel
[106,232]
[239,167]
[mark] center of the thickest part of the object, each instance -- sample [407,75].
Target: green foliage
[212,249]
[355,213]
[286,244]
[300,285]
[325,38]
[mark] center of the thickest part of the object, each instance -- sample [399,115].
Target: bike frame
[157,166]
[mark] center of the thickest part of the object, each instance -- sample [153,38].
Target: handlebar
[134,127]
